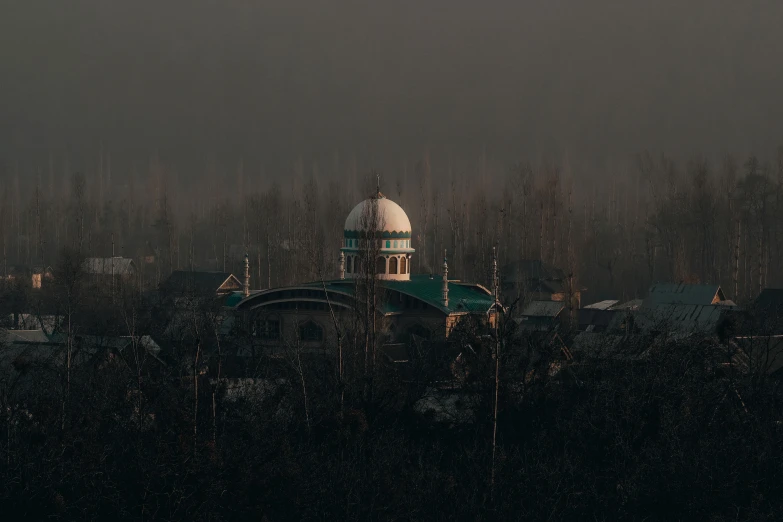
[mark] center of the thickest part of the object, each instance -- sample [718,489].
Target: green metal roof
[467,298]
[682,294]
[233,299]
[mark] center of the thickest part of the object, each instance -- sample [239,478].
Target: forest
[657,219]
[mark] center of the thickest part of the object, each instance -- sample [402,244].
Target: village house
[109,274]
[534,280]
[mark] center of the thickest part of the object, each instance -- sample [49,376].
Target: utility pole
[496,306]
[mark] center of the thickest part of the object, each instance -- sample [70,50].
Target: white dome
[391,216]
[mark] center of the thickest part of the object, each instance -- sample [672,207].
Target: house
[683,294]
[109,273]
[601,316]
[541,315]
[37,275]
[595,319]
[534,280]
[768,311]
[683,309]
[210,284]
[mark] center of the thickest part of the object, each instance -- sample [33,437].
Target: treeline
[656,220]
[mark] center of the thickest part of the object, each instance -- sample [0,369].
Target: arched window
[380,265]
[395,243]
[311,332]
[268,329]
[403,265]
[388,244]
[393,265]
[348,264]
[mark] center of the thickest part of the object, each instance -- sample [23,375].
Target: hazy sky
[269,80]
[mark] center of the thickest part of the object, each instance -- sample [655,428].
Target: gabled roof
[683,294]
[543,309]
[596,317]
[770,300]
[200,283]
[684,318]
[633,304]
[108,266]
[26,336]
[602,305]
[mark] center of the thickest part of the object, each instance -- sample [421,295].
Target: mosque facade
[374,279]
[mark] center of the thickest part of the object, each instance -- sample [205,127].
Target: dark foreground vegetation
[673,433]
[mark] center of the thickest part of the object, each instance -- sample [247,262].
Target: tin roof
[463,297]
[108,265]
[683,294]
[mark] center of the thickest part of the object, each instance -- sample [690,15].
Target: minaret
[246,284]
[495,281]
[445,292]
[342,265]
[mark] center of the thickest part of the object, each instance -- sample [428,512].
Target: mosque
[374,267]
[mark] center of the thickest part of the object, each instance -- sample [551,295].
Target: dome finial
[378,194]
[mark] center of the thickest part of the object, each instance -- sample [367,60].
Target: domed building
[374,264]
[381,226]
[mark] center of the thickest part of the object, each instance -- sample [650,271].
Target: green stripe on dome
[361,234]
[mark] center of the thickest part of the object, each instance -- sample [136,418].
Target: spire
[495,281]
[378,194]
[445,290]
[342,265]
[246,283]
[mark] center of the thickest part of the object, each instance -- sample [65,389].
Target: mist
[270,82]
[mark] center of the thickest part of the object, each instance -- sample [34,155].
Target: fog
[272,81]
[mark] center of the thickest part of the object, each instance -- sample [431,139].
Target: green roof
[463,297]
[233,299]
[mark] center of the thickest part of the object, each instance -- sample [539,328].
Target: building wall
[430,323]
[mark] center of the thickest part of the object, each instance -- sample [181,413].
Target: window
[403,265]
[311,332]
[268,329]
[388,244]
[393,265]
[348,264]
[395,243]
[380,265]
